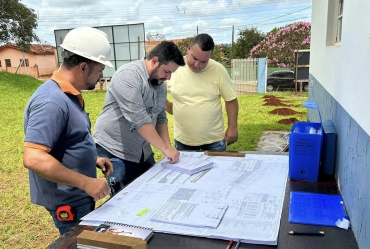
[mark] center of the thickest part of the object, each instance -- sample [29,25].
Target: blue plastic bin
[305,145]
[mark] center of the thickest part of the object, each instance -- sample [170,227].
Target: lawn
[24,225]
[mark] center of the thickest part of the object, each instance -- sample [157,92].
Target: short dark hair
[204,41]
[167,51]
[73,60]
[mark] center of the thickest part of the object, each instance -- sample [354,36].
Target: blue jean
[124,171]
[216,146]
[79,212]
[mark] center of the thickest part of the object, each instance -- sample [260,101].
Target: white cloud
[174,19]
[154,22]
[167,31]
[230,21]
[194,25]
[200,8]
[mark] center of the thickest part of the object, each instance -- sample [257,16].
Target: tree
[17,24]
[185,43]
[278,46]
[217,53]
[248,38]
[226,50]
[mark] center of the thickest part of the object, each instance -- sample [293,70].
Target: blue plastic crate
[305,145]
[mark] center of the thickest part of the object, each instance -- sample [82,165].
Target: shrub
[278,47]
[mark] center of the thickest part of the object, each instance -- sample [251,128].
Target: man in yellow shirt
[196,91]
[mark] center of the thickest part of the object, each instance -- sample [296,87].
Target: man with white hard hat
[59,150]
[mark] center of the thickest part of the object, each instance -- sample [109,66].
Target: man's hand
[97,188]
[231,135]
[172,154]
[105,165]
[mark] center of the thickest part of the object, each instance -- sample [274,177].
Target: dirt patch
[273,101]
[284,112]
[287,121]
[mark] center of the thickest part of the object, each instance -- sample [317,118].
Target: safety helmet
[90,43]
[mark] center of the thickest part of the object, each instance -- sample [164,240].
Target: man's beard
[90,86]
[154,82]
[153,78]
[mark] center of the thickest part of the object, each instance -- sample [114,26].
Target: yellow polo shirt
[197,108]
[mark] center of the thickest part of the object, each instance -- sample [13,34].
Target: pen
[312,233]
[237,245]
[230,244]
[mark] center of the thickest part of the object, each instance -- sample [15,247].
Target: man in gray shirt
[134,115]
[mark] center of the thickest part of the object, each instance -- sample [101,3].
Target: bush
[278,47]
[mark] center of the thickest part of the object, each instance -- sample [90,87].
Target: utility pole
[232,44]
[197,29]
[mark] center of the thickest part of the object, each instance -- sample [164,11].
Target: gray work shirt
[130,102]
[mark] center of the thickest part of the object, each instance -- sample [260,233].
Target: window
[0,63]
[26,60]
[7,63]
[339,21]
[335,22]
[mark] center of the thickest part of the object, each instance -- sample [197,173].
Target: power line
[62,17]
[51,23]
[189,7]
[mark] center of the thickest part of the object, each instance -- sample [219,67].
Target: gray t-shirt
[131,101]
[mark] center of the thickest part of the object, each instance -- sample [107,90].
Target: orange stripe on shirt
[37,146]
[66,86]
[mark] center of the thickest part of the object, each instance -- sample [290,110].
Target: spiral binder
[130,230]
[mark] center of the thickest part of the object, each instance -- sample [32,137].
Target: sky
[173,19]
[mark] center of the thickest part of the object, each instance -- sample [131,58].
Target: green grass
[272,69]
[24,225]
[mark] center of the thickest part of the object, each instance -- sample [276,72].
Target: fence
[244,75]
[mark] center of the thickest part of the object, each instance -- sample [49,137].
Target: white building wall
[343,69]
[339,83]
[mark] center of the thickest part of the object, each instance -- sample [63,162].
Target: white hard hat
[90,43]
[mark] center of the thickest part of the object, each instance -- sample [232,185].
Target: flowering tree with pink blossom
[278,47]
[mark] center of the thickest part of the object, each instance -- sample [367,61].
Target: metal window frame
[113,43]
[339,22]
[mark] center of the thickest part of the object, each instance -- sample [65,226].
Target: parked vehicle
[283,80]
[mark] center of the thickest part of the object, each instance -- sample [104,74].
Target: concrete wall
[339,83]
[39,65]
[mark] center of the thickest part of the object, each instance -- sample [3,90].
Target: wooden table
[334,237]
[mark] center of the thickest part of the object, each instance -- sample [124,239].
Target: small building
[339,83]
[39,61]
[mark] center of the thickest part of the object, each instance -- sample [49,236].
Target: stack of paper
[191,214]
[189,165]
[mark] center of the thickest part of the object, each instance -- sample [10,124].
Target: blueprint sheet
[253,187]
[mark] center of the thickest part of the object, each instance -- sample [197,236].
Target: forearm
[46,166]
[150,134]
[162,130]
[232,110]
[169,107]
